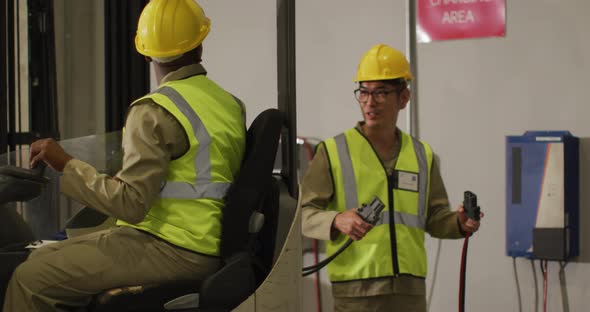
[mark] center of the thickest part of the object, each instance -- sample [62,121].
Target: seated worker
[384,269]
[183,145]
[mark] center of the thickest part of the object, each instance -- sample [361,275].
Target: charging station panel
[542,195]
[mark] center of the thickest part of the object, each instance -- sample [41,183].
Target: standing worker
[183,145]
[385,268]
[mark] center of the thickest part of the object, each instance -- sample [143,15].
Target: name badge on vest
[407,181]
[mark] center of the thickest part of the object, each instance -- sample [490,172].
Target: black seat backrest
[253,183]
[247,256]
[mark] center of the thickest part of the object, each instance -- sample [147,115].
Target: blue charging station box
[542,195]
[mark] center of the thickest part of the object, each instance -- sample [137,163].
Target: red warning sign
[459,19]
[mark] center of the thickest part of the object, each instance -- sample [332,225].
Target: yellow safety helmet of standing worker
[170,28]
[383,62]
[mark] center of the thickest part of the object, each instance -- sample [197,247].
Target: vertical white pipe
[411,47]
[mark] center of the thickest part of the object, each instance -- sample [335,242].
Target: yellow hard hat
[170,28]
[383,62]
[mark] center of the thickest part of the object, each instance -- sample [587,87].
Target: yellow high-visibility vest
[396,244]
[188,210]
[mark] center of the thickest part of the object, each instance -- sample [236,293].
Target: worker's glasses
[379,96]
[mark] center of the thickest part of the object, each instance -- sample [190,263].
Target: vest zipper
[394,261]
[390,185]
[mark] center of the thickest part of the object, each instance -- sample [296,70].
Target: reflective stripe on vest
[350,189]
[203,186]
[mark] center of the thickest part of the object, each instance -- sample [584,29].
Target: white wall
[240,51]
[331,36]
[475,92]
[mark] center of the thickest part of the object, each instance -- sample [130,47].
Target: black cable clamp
[371,213]
[470,205]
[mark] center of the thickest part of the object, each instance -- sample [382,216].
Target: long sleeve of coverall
[151,139]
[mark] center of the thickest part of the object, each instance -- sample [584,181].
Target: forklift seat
[247,242]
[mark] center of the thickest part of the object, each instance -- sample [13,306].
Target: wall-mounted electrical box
[542,195]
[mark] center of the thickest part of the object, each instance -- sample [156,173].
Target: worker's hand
[50,152]
[351,224]
[467,224]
